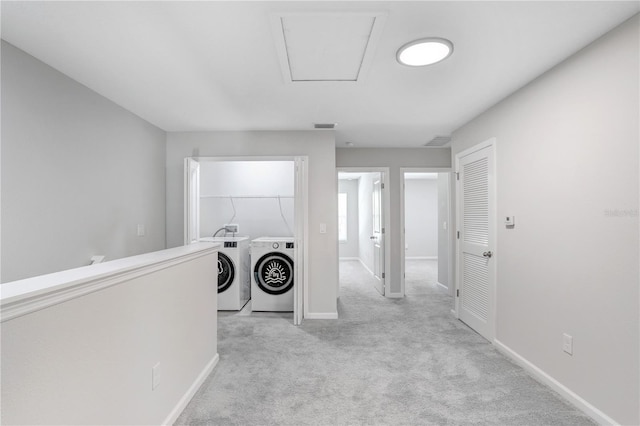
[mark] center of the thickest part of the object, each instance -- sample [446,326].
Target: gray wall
[567,167]
[421,218]
[394,158]
[246,180]
[319,146]
[349,248]
[79,173]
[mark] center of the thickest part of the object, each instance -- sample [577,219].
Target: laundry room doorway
[264,200]
[427,237]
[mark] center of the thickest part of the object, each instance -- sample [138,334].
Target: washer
[272,274]
[234,277]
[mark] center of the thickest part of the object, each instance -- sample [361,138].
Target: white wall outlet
[323,228]
[567,343]
[232,228]
[155,376]
[141,231]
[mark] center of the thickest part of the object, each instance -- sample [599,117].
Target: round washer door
[274,273]
[226,272]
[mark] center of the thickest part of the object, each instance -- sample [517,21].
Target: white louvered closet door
[476,267]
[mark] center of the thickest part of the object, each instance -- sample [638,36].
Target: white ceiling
[189,66]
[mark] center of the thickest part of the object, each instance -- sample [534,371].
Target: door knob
[487,254]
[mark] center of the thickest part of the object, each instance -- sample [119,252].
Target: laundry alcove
[264,197]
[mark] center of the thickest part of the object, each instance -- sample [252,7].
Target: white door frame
[386,207]
[404,170]
[492,320]
[301,215]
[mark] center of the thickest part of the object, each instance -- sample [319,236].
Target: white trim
[421,258]
[365,267]
[443,286]
[186,398]
[350,258]
[395,295]
[33,294]
[321,315]
[544,378]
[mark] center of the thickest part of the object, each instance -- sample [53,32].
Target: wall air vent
[324,125]
[439,141]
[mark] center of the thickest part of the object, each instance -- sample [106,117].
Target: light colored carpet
[384,362]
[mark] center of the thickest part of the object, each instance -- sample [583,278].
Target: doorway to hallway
[426,224]
[363,222]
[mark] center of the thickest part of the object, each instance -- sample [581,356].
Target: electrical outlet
[232,228]
[567,343]
[155,376]
[141,231]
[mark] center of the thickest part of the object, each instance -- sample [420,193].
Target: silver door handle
[487,254]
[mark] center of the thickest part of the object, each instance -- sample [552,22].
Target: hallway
[385,361]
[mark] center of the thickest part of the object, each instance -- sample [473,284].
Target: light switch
[323,228]
[510,221]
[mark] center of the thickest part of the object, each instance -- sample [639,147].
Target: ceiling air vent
[324,125]
[438,141]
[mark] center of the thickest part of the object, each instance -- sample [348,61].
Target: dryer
[234,277]
[272,274]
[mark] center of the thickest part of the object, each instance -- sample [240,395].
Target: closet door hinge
[382,186]
[383,275]
[457,175]
[457,293]
[458,234]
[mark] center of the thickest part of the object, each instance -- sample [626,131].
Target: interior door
[192,201]
[476,224]
[299,259]
[377,236]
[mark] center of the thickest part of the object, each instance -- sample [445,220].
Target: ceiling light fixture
[426,51]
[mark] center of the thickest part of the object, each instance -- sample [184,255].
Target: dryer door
[274,273]
[226,272]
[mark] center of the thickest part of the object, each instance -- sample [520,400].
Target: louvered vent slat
[476,207]
[475,294]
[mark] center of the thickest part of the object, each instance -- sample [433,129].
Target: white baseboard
[421,257]
[321,315]
[177,410]
[394,295]
[366,267]
[546,379]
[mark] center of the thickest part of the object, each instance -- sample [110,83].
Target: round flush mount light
[426,51]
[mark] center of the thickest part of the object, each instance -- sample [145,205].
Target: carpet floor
[383,362]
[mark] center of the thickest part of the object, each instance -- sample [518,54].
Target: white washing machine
[272,274]
[234,276]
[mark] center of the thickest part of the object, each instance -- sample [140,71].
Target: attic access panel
[329,46]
